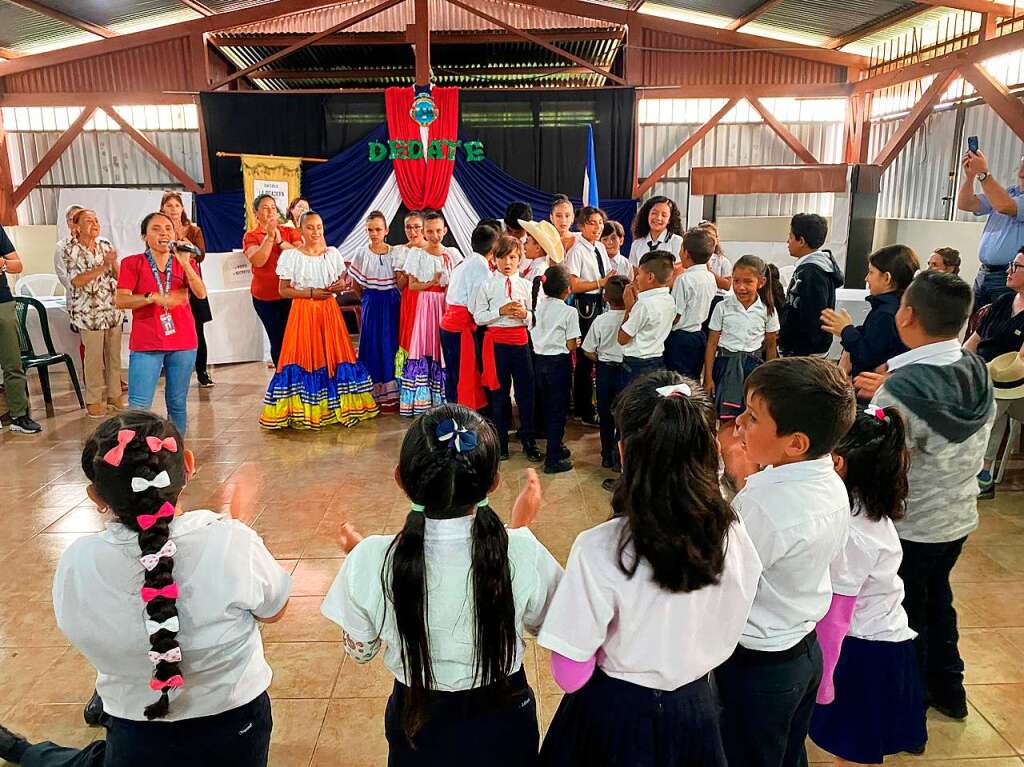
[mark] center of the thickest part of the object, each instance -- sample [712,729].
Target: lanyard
[164,289]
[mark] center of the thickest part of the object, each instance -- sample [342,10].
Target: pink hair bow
[170,444]
[167,592]
[171,656]
[150,561]
[116,453]
[876,412]
[146,521]
[175,681]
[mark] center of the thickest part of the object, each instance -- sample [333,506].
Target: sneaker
[25,425]
[205,382]
[987,492]
[12,746]
[96,411]
[557,468]
[93,712]
[531,452]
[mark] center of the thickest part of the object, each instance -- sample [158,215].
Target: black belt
[766,657]
[994,268]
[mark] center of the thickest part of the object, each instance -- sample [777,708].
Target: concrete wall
[35,246]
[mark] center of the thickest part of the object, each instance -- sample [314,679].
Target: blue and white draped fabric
[590,196]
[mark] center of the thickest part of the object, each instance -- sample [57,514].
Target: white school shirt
[743,328]
[797,516]
[373,271]
[356,602]
[533,267]
[226,578]
[868,568]
[641,246]
[423,266]
[557,324]
[494,294]
[649,323]
[642,633]
[693,292]
[582,260]
[603,336]
[305,272]
[466,280]
[721,266]
[622,266]
[939,353]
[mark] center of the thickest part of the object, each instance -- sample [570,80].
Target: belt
[994,268]
[768,657]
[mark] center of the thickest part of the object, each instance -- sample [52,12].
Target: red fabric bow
[116,453]
[457,319]
[146,521]
[167,592]
[155,444]
[175,681]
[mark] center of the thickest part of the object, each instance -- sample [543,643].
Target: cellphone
[972,144]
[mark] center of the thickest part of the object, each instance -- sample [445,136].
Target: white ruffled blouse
[307,272]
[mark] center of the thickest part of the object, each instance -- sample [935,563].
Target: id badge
[168,324]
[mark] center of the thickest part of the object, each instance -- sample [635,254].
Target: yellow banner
[280,177]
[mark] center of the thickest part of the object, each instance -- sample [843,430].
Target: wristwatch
[982,177]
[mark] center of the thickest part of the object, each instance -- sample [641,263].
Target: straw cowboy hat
[546,235]
[1007,371]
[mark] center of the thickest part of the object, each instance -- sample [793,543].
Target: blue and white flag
[590,172]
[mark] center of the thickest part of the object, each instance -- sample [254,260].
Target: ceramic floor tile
[59,723]
[353,734]
[991,657]
[21,670]
[363,680]
[972,738]
[302,622]
[313,577]
[1003,706]
[31,625]
[297,725]
[303,669]
[72,679]
[997,604]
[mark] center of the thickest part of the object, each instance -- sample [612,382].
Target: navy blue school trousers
[610,381]
[515,366]
[634,367]
[684,352]
[553,374]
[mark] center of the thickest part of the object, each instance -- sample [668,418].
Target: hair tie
[461,440]
[169,549]
[116,453]
[171,624]
[418,507]
[160,481]
[160,685]
[146,521]
[543,279]
[678,390]
[876,412]
[171,656]
[155,444]
[484,502]
[167,592]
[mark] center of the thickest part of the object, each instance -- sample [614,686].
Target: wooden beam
[1003,103]
[198,7]
[688,143]
[989,26]
[858,128]
[977,6]
[758,10]
[402,38]
[204,149]
[409,71]
[421,41]
[8,210]
[154,151]
[875,26]
[769,179]
[77,99]
[914,120]
[51,156]
[537,41]
[970,55]
[783,132]
[7,53]
[74,21]
[745,90]
[635,5]
[309,40]
[199,62]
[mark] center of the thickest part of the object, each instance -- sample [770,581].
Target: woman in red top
[263,246]
[155,285]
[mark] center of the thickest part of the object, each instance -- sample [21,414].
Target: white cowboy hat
[1007,371]
[546,235]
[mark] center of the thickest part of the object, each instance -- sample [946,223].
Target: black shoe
[93,712]
[953,709]
[590,420]
[917,750]
[617,465]
[12,746]
[557,468]
[610,484]
[25,425]
[531,452]
[205,382]
[606,462]
[987,491]
[504,454]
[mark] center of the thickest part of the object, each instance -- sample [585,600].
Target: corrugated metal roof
[828,18]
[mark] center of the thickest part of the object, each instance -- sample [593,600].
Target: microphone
[186,246]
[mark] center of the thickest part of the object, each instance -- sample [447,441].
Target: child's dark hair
[676,517]
[376,214]
[806,394]
[586,212]
[483,239]
[614,288]
[517,211]
[641,225]
[699,244]
[613,227]
[494,223]
[560,199]
[150,216]
[136,445]
[899,261]
[449,478]
[555,282]
[434,215]
[659,263]
[877,462]
[941,302]
[771,293]
[413,214]
[260,198]
[809,227]
[505,245]
[950,258]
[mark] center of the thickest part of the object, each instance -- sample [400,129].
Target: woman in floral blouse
[91,263]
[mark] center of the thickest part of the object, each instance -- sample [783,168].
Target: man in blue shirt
[1004,230]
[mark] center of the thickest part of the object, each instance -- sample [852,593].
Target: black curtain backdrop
[537,137]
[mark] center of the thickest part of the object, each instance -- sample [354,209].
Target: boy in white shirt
[602,346]
[612,236]
[796,511]
[692,292]
[649,314]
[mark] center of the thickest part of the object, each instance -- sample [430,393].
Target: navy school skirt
[879,708]
[494,726]
[612,722]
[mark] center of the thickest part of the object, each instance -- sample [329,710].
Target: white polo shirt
[743,328]
[557,324]
[649,323]
[582,260]
[466,280]
[226,578]
[622,266]
[533,267]
[641,632]
[670,243]
[603,336]
[693,292]
[721,266]
[868,568]
[494,294]
[357,603]
[797,516]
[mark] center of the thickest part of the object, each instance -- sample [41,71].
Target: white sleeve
[549,575]
[762,533]
[481,304]
[853,565]
[341,604]
[772,324]
[286,265]
[271,585]
[573,326]
[577,621]
[593,339]
[572,261]
[636,321]
[715,323]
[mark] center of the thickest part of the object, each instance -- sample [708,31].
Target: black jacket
[812,289]
[877,340]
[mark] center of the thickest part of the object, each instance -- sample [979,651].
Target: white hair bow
[677,390]
[161,480]
[150,561]
[171,656]
[171,624]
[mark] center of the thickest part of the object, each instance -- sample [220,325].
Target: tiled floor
[327,709]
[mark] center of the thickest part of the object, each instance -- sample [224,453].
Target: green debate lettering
[438,149]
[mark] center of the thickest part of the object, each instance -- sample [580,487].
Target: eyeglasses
[413,226]
[1013,267]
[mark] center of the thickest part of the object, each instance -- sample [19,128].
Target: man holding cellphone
[1004,231]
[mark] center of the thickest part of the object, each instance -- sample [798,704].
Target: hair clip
[171,624]
[462,440]
[677,390]
[543,279]
[170,444]
[116,453]
[169,549]
[160,685]
[167,592]
[876,412]
[171,656]
[146,521]
[160,481]
[484,502]
[418,507]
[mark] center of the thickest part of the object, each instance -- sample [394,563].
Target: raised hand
[525,509]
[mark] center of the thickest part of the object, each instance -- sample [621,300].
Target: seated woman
[318,381]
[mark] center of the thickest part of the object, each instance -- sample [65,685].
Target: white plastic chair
[37,285]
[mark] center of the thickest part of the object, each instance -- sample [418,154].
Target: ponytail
[877,463]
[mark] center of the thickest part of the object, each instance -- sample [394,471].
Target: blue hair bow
[461,440]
